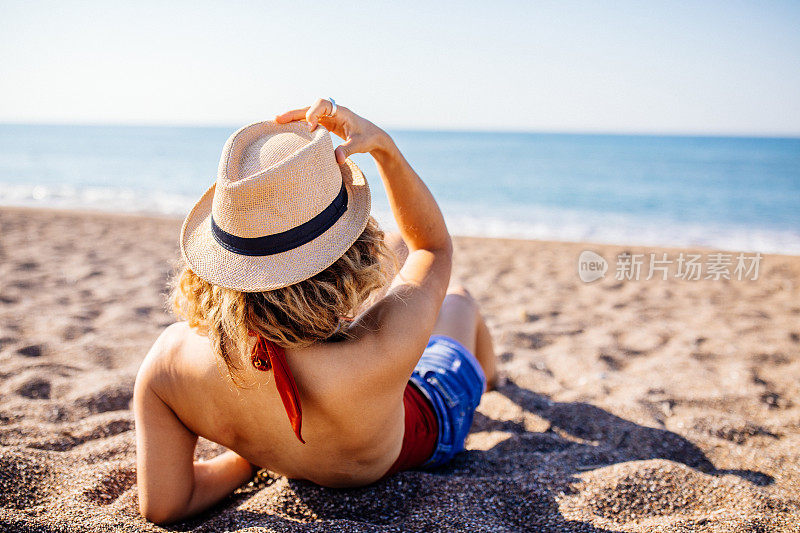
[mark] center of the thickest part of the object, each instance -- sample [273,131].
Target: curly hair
[296,316]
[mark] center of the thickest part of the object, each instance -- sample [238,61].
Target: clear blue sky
[639,66]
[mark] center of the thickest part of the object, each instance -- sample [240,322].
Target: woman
[285,288]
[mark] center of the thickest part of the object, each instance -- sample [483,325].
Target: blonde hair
[292,317]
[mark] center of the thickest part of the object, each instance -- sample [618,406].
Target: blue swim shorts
[453,381]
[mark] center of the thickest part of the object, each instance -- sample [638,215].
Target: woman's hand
[359,134]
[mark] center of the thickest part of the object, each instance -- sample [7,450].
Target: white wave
[534,222]
[95,198]
[553,224]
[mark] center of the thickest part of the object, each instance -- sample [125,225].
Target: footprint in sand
[741,432]
[639,341]
[111,486]
[732,429]
[144,312]
[534,341]
[773,400]
[34,350]
[772,358]
[704,356]
[113,398]
[531,317]
[72,332]
[35,389]
[27,266]
[87,315]
[92,274]
[612,362]
[71,437]
[5,341]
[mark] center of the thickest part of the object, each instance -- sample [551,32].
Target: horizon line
[418,129]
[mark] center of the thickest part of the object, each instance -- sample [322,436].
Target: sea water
[734,193]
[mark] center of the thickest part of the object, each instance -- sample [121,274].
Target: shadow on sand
[609,439]
[511,487]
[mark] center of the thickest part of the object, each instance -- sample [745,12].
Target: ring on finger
[334,107]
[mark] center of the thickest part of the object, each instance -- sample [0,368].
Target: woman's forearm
[215,479]
[417,214]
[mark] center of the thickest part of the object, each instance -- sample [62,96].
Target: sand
[623,405]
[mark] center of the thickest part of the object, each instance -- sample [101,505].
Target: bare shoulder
[372,362]
[158,364]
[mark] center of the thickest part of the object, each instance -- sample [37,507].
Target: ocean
[733,193]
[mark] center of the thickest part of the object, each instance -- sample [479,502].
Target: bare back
[349,440]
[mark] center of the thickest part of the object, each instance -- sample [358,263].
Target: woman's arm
[396,328]
[171,485]
[405,317]
[418,216]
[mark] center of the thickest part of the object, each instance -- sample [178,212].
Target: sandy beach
[624,405]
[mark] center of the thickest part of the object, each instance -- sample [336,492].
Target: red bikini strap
[268,355]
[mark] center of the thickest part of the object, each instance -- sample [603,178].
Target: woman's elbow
[154,517]
[159,514]
[158,517]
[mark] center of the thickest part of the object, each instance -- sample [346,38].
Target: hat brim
[219,266]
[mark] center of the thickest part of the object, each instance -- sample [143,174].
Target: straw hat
[281,210]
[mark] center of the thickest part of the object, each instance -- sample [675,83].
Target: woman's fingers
[360,136]
[317,114]
[341,152]
[289,116]
[320,109]
[353,145]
